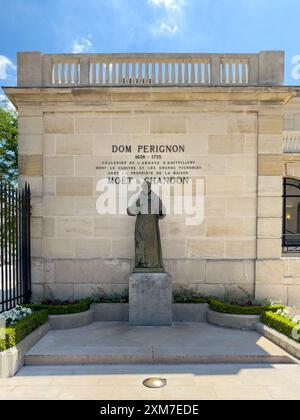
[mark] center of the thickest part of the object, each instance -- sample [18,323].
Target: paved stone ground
[116,342]
[184,381]
[119,382]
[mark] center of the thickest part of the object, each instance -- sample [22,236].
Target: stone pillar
[150,299]
[271,68]
[29,69]
[30,149]
[269,267]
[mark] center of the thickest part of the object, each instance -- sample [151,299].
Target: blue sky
[58,26]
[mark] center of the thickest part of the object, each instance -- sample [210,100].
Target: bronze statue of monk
[149,209]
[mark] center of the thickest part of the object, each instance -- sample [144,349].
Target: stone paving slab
[116,342]
[121,382]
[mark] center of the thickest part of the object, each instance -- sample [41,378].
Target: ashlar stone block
[74,145]
[226,144]
[58,125]
[74,186]
[168,124]
[93,125]
[130,125]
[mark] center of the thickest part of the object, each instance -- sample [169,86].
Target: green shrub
[100,296]
[242,297]
[183,295]
[16,332]
[280,323]
[199,300]
[82,306]
[226,308]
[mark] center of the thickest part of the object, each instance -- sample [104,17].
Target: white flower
[15,314]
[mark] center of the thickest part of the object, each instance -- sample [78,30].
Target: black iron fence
[15,266]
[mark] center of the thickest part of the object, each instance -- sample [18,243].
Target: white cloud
[170,16]
[164,27]
[5,63]
[5,103]
[82,45]
[174,5]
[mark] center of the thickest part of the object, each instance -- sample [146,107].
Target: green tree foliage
[8,172]
[8,146]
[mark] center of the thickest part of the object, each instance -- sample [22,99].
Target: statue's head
[146,186]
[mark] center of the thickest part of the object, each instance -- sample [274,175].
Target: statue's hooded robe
[148,254]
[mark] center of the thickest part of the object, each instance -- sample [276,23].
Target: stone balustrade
[291,142]
[57,70]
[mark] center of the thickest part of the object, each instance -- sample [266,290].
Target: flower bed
[14,333]
[62,309]
[282,324]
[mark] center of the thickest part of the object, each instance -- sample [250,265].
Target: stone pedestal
[150,299]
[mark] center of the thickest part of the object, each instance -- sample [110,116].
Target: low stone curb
[68,321]
[240,322]
[11,360]
[280,340]
[182,312]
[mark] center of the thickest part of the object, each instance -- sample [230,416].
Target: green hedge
[83,305]
[16,332]
[192,300]
[226,308]
[199,300]
[279,323]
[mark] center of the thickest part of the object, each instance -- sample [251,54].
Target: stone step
[165,356]
[118,343]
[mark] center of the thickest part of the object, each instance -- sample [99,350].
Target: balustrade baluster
[133,77]
[206,73]
[193,74]
[114,73]
[237,73]
[120,77]
[179,72]
[224,76]
[100,78]
[244,79]
[166,72]
[160,72]
[200,73]
[53,73]
[147,72]
[107,72]
[94,72]
[140,77]
[63,75]
[173,77]
[186,72]
[126,72]
[56,77]
[76,73]
[69,80]
[230,73]
[153,77]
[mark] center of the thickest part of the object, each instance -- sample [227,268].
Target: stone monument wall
[228,114]
[75,249]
